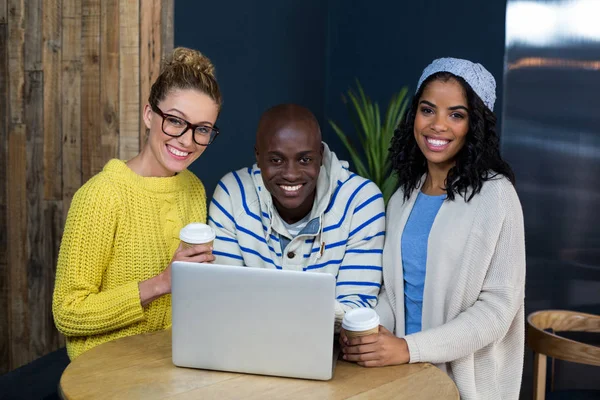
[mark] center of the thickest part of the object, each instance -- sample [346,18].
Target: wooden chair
[541,338]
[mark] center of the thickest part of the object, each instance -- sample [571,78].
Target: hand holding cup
[196,246]
[369,344]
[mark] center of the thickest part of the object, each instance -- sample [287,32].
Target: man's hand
[376,350]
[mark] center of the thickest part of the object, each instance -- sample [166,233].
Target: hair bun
[185,68]
[190,58]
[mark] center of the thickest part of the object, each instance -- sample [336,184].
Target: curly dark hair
[478,161]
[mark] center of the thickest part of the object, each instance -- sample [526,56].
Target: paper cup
[360,322]
[196,233]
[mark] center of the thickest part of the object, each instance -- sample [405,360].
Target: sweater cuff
[123,307]
[413,349]
[131,303]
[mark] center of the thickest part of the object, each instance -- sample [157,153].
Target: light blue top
[414,256]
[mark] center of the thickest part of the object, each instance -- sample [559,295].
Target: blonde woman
[113,277]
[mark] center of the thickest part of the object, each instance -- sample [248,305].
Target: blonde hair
[185,69]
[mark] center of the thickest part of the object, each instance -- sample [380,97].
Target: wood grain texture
[33,101]
[16,198]
[109,84]
[33,35]
[167,31]
[16,41]
[3,11]
[539,376]
[545,343]
[565,321]
[4,104]
[129,79]
[140,367]
[52,232]
[37,269]
[18,312]
[51,58]
[4,284]
[548,343]
[90,87]
[71,101]
[150,39]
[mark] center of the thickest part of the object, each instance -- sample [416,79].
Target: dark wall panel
[265,53]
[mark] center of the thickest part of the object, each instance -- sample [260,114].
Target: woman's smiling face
[174,154]
[442,122]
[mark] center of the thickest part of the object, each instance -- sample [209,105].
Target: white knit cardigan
[473,300]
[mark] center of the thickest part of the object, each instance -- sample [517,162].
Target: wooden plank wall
[74,77]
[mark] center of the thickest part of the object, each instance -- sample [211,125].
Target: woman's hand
[153,288]
[377,350]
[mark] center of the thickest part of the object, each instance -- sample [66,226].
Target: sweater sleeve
[79,305]
[359,276]
[490,317]
[226,247]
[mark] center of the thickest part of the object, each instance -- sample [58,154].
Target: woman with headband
[454,256]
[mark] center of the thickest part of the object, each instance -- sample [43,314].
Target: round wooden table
[140,367]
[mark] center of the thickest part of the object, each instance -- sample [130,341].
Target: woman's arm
[501,296]
[486,321]
[79,307]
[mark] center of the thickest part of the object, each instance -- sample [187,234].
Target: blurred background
[75,75]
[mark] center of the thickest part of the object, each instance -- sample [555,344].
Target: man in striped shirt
[300,208]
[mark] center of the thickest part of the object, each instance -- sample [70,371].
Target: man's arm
[221,218]
[360,274]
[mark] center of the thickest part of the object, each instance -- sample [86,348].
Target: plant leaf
[361,111]
[374,136]
[358,164]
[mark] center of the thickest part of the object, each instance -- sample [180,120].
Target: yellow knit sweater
[121,229]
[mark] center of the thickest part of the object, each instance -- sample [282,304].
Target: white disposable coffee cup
[196,233]
[360,322]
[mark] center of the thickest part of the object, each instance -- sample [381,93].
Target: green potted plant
[374,135]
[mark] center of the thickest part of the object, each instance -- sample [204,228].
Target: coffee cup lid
[196,233]
[360,319]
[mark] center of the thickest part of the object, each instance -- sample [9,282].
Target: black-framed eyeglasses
[174,126]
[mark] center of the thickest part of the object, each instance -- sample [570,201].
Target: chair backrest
[545,343]
[552,345]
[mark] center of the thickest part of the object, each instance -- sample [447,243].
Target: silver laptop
[253,320]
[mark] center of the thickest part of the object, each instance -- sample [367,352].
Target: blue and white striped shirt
[344,236]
